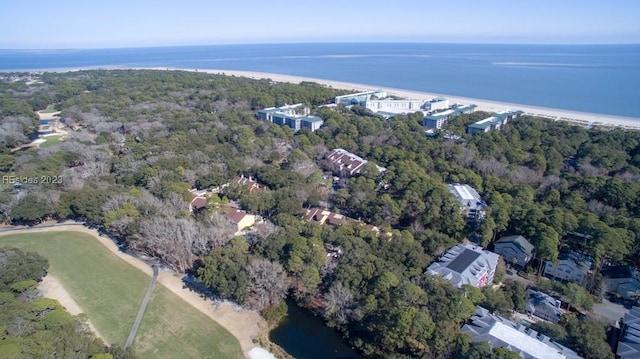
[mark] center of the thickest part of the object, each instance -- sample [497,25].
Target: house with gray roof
[514,249]
[544,306]
[501,332]
[629,344]
[622,280]
[466,264]
[570,267]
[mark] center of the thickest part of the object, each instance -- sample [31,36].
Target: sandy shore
[581,118]
[244,325]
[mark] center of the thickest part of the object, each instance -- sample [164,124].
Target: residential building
[466,264]
[347,163]
[544,306]
[622,280]
[571,267]
[471,204]
[436,104]
[464,108]
[241,219]
[324,216]
[494,122]
[359,98]
[501,332]
[294,116]
[629,340]
[247,182]
[437,120]
[394,105]
[514,249]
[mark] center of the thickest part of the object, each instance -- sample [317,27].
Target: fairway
[109,290]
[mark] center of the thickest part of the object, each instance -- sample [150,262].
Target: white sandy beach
[483,105]
[581,118]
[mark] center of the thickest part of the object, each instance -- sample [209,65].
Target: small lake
[305,336]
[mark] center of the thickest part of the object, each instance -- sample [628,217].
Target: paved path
[143,307]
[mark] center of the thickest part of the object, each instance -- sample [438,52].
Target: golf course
[109,291]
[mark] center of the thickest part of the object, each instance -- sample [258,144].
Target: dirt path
[50,287]
[244,325]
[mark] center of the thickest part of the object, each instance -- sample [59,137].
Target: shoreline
[584,119]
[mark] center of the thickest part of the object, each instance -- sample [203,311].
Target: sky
[62,24]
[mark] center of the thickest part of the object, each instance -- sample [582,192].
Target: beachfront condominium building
[436,104]
[437,120]
[394,105]
[471,204]
[494,122]
[466,264]
[359,98]
[500,332]
[294,116]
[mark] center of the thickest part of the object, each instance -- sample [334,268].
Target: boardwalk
[143,307]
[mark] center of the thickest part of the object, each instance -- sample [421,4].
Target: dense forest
[142,139]
[35,327]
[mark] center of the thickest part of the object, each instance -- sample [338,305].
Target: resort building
[493,123]
[436,104]
[466,264]
[295,116]
[437,120]
[503,333]
[544,306]
[514,249]
[571,267]
[629,340]
[622,280]
[348,164]
[359,98]
[471,204]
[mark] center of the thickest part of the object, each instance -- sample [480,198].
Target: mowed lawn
[110,290]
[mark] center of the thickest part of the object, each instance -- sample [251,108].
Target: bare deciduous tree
[339,303]
[267,284]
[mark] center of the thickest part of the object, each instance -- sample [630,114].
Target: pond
[305,336]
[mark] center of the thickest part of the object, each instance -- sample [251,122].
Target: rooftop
[501,332]
[519,241]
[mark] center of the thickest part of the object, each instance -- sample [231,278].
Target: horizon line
[318,42]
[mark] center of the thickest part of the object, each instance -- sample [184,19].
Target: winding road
[143,307]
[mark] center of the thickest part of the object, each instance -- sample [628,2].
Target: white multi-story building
[359,98]
[295,116]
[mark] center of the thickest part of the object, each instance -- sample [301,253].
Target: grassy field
[110,290]
[51,141]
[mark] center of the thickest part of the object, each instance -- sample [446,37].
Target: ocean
[601,79]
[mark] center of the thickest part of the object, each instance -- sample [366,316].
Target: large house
[622,280]
[503,333]
[544,306]
[629,340]
[347,163]
[294,116]
[571,267]
[240,218]
[471,204]
[466,264]
[514,249]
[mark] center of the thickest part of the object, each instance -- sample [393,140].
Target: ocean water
[589,78]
